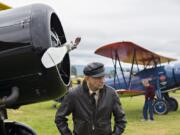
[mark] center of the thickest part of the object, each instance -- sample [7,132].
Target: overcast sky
[152,24]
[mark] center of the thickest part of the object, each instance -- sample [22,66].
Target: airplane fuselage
[167,77]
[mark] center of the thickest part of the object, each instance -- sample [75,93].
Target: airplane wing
[4,6]
[128,93]
[123,51]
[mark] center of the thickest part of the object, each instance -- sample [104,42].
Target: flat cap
[94,69]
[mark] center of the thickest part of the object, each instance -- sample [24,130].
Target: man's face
[146,83]
[95,83]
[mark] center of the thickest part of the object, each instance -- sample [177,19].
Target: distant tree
[73,70]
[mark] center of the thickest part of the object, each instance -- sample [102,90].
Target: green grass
[41,118]
[163,125]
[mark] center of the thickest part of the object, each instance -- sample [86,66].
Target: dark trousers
[148,107]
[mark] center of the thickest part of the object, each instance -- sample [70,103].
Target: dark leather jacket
[87,119]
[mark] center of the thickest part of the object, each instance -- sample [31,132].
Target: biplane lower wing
[129,93]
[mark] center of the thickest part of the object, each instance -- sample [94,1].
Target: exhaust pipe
[11,99]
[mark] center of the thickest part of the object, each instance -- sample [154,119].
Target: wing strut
[115,67]
[130,74]
[116,58]
[121,69]
[137,65]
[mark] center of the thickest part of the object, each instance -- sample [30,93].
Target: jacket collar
[86,89]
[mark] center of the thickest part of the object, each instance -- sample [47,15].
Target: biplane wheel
[160,107]
[173,104]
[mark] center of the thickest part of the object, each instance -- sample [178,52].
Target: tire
[16,128]
[173,104]
[160,107]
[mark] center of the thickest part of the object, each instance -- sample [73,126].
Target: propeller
[54,55]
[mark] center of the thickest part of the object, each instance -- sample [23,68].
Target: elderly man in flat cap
[92,105]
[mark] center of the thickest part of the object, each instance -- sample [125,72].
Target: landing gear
[173,104]
[16,128]
[2,126]
[7,127]
[160,107]
[165,105]
[12,127]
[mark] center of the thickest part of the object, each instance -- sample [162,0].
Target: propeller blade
[53,56]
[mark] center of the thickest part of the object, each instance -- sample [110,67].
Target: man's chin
[101,87]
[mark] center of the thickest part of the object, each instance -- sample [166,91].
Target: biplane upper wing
[124,51]
[4,6]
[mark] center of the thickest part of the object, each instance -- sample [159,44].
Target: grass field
[41,118]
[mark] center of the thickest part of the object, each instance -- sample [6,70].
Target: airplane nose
[25,34]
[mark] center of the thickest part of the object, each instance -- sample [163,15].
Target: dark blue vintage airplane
[34,57]
[149,66]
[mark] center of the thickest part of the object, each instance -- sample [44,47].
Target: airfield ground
[41,118]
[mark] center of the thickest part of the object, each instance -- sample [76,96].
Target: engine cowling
[25,34]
